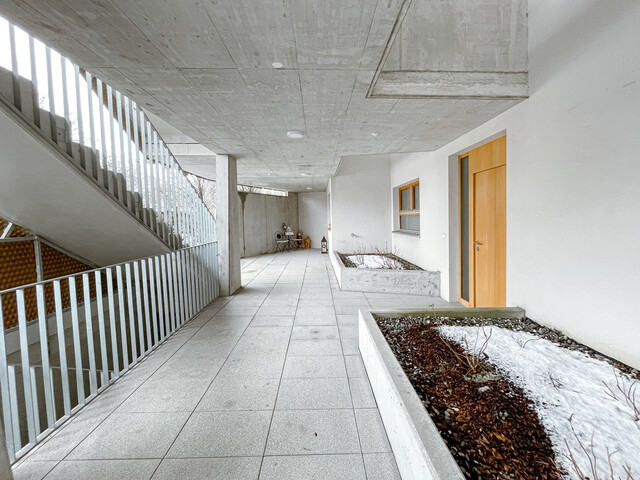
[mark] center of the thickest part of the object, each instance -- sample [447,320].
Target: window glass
[410,222]
[416,197]
[405,199]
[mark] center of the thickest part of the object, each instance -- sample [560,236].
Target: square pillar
[227,224]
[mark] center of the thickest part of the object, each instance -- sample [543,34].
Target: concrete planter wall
[412,282]
[417,446]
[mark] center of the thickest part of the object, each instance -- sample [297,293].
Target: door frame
[486,165]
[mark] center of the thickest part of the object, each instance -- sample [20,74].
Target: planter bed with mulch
[509,398]
[383,273]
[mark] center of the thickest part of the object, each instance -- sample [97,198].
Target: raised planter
[420,452]
[412,282]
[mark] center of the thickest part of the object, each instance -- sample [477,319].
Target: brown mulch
[491,432]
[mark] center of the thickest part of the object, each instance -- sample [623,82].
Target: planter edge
[417,446]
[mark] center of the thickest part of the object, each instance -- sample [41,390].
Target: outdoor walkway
[266,384]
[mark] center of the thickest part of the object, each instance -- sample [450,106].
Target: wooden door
[487,225]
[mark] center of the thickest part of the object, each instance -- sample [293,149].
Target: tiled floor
[266,384]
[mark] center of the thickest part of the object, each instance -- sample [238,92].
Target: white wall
[312,215]
[573,216]
[361,204]
[263,216]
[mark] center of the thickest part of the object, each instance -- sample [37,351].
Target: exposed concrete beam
[476,85]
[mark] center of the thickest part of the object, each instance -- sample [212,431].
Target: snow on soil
[565,384]
[375,261]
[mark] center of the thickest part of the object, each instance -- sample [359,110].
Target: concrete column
[227,227]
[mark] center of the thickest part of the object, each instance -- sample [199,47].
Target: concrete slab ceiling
[205,69]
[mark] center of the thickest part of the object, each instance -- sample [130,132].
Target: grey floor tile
[313,467]
[231,468]
[131,435]
[347,320]
[350,346]
[315,310]
[231,310]
[254,366]
[33,469]
[355,366]
[313,393]
[314,367]
[272,321]
[222,434]
[361,393]
[305,432]
[349,331]
[315,347]
[381,466]
[277,310]
[373,436]
[318,319]
[239,393]
[314,332]
[163,394]
[104,469]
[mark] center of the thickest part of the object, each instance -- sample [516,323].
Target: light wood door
[487,226]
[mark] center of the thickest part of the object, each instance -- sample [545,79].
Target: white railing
[79,333]
[105,134]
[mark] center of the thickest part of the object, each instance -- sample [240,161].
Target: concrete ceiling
[205,68]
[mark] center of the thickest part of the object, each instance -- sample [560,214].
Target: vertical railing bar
[162,311]
[4,392]
[167,182]
[176,203]
[83,160]
[157,184]
[15,415]
[92,134]
[136,276]
[14,68]
[132,315]
[153,286]
[147,314]
[123,319]
[65,100]
[112,324]
[131,175]
[177,279]
[34,81]
[24,355]
[44,353]
[154,205]
[190,285]
[145,174]
[52,101]
[88,318]
[141,210]
[77,348]
[104,164]
[172,290]
[62,348]
[101,329]
[168,302]
[34,398]
[123,155]
[115,162]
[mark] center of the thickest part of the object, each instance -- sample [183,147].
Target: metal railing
[91,328]
[105,134]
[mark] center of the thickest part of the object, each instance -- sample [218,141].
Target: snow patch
[565,384]
[375,261]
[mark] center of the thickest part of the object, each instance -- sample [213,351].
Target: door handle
[477,243]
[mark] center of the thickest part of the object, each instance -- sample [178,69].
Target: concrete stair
[20,94]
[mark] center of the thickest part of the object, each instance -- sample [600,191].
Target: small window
[409,207]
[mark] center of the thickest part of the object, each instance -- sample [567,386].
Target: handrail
[107,319]
[108,136]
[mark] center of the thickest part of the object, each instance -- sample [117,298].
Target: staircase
[94,130]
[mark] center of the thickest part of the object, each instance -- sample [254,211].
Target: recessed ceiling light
[268,174]
[375,134]
[295,134]
[304,174]
[276,65]
[309,188]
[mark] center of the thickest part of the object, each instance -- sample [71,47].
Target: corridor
[267,384]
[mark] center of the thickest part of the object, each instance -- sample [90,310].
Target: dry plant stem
[471,358]
[625,394]
[591,457]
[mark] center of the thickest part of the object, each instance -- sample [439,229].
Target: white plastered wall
[573,195]
[360,207]
[312,213]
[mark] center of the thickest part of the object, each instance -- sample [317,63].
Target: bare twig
[626,394]
[472,358]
